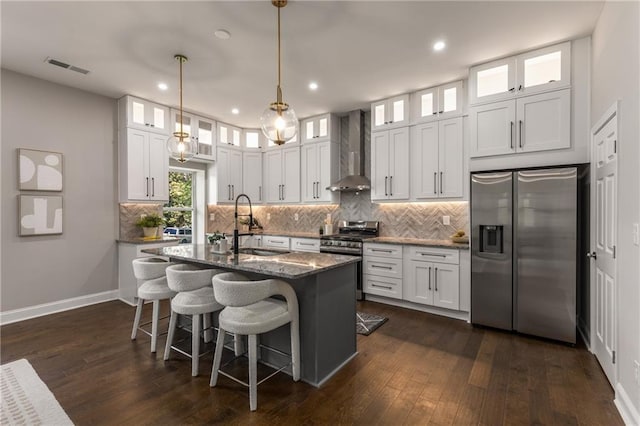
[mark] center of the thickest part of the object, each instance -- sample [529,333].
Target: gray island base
[325,285]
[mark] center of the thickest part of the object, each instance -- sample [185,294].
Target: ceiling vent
[66,66]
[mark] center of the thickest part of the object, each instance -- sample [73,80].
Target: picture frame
[39,170]
[40,215]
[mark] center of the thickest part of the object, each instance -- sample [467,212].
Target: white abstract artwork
[40,215]
[40,170]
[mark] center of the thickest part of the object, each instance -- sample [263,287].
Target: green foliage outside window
[180,197]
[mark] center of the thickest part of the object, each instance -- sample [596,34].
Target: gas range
[349,238]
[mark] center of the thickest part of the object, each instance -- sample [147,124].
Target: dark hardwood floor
[415,369]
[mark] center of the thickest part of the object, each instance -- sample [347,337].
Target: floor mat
[368,323]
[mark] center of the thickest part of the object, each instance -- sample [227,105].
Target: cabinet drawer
[382,266]
[305,244]
[275,242]
[382,286]
[383,250]
[433,254]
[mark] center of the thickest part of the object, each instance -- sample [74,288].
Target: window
[179,212]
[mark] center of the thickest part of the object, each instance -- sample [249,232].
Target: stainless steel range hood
[355,181]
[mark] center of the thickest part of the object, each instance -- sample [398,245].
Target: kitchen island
[325,285]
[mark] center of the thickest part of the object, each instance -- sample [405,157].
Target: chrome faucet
[236,234]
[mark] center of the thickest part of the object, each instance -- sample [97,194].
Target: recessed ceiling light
[439,45]
[235,111]
[222,34]
[163,86]
[313,85]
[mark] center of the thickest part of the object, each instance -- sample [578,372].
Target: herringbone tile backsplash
[130,213]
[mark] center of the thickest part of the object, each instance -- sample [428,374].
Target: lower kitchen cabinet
[382,286]
[382,270]
[311,245]
[269,241]
[431,283]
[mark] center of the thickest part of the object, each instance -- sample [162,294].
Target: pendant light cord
[181,112]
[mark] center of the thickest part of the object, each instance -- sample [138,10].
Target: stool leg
[206,323]
[195,344]
[217,357]
[136,319]
[238,347]
[154,325]
[295,349]
[253,373]
[171,332]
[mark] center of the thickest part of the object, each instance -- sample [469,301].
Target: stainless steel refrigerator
[526,230]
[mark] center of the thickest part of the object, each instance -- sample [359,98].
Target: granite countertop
[147,240]
[419,242]
[291,265]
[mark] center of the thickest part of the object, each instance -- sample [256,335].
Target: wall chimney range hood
[355,181]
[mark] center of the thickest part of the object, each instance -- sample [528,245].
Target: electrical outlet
[636,234]
[446,220]
[295,217]
[212,216]
[268,216]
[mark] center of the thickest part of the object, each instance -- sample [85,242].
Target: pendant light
[180,145]
[279,122]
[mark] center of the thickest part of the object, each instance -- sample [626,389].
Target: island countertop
[291,265]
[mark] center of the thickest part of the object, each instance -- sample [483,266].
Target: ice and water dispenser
[491,238]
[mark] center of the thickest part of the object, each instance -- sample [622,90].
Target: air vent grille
[66,66]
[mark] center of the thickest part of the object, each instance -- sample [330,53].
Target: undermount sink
[261,251]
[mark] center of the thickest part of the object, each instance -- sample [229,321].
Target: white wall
[82,126]
[615,76]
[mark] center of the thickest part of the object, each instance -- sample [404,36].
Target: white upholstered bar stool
[151,270]
[194,298]
[250,310]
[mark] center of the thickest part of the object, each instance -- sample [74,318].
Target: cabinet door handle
[390,185]
[520,88]
[279,192]
[228,192]
[434,113]
[147,187]
[283,192]
[381,267]
[440,112]
[153,187]
[429,278]
[435,278]
[381,250]
[385,186]
[260,192]
[233,192]
[511,135]
[382,286]
[435,180]
[432,254]
[441,182]
[513,89]
[520,129]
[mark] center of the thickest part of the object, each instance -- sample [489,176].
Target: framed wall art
[39,170]
[40,215]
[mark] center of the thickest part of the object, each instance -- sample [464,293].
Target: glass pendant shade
[182,148]
[279,125]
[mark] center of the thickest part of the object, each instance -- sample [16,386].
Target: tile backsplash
[130,213]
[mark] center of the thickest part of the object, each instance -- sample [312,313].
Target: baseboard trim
[16,315]
[625,407]
[459,315]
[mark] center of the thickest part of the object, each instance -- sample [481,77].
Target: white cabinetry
[269,241]
[319,129]
[532,72]
[229,174]
[252,175]
[319,168]
[390,165]
[390,113]
[229,135]
[311,245]
[439,102]
[201,130]
[144,115]
[431,277]
[282,175]
[527,124]
[252,139]
[437,159]
[144,166]
[382,270]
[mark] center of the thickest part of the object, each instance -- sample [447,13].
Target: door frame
[609,114]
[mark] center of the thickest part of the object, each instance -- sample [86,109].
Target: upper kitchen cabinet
[527,124]
[253,139]
[229,135]
[532,72]
[437,160]
[436,103]
[201,130]
[282,175]
[144,166]
[390,165]
[319,168]
[252,175]
[390,113]
[229,174]
[322,128]
[144,115]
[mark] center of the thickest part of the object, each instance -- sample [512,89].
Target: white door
[399,164]
[222,175]
[492,128]
[308,172]
[272,176]
[137,165]
[604,323]
[450,158]
[544,121]
[252,175]
[324,171]
[417,284]
[235,173]
[291,175]
[446,286]
[424,158]
[380,165]
[158,168]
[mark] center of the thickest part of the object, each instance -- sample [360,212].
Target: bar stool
[151,270]
[194,298]
[249,310]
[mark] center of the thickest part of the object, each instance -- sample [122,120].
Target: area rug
[26,400]
[368,323]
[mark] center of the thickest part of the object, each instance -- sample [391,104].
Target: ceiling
[357,51]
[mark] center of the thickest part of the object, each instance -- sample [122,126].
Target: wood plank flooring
[415,369]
